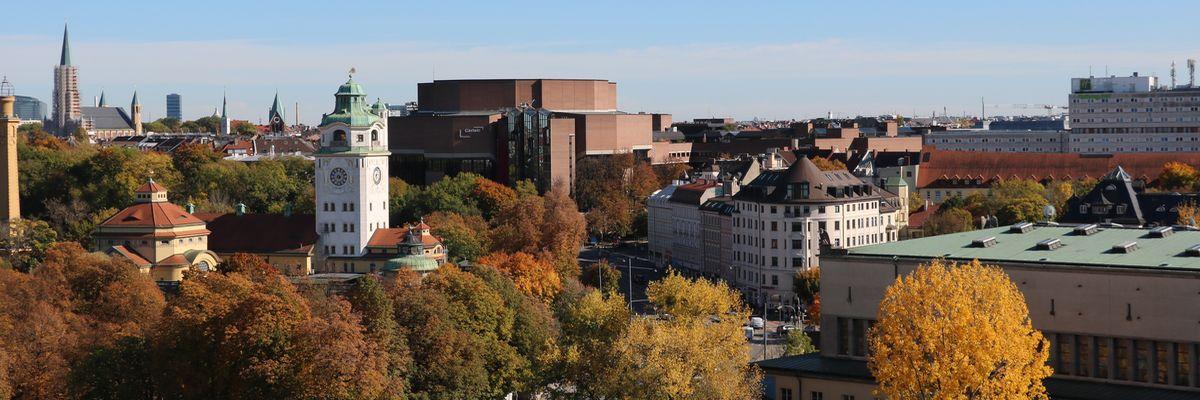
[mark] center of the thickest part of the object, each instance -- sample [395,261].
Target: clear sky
[766,59]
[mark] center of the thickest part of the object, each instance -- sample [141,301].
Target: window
[785,394]
[817,396]
[847,397]
[374,135]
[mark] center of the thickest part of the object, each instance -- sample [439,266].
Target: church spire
[135,101]
[224,103]
[103,103]
[66,49]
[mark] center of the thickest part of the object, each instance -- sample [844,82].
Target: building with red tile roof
[411,246]
[158,237]
[285,241]
[944,173]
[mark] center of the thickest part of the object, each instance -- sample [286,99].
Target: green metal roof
[1170,252]
[351,107]
[412,261]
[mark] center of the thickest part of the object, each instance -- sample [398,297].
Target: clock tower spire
[351,179]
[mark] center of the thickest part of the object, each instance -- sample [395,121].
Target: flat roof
[1095,250]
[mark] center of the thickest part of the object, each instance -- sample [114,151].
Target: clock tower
[351,179]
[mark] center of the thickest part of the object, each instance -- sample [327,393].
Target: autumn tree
[613,190]
[1189,214]
[697,350]
[1177,176]
[932,343]
[807,283]
[949,220]
[827,164]
[25,242]
[602,276]
[467,237]
[533,276]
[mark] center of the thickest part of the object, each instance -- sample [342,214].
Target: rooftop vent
[1023,227]
[1125,247]
[1161,232]
[1193,251]
[984,242]
[1086,230]
[1049,244]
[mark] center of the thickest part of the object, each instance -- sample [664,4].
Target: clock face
[338,177]
[378,175]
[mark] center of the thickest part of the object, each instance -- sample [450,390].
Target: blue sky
[786,59]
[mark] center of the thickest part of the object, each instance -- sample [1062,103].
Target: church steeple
[66,49]
[103,103]
[135,109]
[224,106]
[275,118]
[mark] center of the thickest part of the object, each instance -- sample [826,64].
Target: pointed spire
[66,49]
[103,102]
[275,109]
[224,103]
[134,103]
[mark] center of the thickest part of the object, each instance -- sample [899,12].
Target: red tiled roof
[391,237]
[945,167]
[133,256]
[917,219]
[178,259]
[156,215]
[150,187]
[260,233]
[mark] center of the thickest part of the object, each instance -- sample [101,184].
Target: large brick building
[515,129]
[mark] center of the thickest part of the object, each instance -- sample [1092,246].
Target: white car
[757,322]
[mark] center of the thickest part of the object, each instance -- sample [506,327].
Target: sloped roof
[823,186]
[260,233]
[941,165]
[152,215]
[692,193]
[107,118]
[130,255]
[391,237]
[150,187]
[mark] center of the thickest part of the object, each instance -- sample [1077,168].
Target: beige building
[10,201]
[1116,304]
[157,236]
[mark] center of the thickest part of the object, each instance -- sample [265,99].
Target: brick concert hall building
[515,129]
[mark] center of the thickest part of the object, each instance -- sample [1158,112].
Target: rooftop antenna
[1191,72]
[1172,74]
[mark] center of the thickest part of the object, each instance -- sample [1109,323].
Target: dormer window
[803,190]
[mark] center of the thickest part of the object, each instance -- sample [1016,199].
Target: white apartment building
[782,219]
[1063,142]
[676,221]
[1133,105]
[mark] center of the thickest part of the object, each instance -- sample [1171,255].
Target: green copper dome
[351,107]
[413,262]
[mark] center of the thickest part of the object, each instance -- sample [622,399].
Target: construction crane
[1048,107]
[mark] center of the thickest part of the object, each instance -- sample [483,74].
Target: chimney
[240,209]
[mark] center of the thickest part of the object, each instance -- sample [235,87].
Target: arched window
[374,135]
[339,135]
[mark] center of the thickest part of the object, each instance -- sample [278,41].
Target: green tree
[244,128]
[798,343]
[25,242]
[949,220]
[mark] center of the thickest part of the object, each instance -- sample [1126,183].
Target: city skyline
[773,61]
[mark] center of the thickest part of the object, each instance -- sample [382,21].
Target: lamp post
[629,271]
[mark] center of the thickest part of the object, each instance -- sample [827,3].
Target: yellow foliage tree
[957,331]
[827,164]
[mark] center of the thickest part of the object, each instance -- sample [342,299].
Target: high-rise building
[352,180]
[1132,104]
[175,106]
[30,109]
[66,91]
[10,202]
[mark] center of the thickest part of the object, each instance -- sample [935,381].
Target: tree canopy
[932,343]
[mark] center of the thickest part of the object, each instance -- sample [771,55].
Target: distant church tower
[225,128]
[66,91]
[275,117]
[136,108]
[351,179]
[10,203]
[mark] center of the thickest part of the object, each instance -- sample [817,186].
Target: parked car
[784,330]
[757,322]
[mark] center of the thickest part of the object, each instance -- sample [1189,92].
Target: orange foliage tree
[534,276]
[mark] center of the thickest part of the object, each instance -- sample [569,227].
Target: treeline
[82,325]
[210,124]
[75,187]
